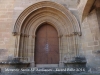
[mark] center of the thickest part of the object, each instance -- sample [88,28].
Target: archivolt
[45,4]
[44,12]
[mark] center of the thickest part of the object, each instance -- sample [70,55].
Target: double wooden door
[46,45]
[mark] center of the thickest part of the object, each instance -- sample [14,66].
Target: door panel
[46,45]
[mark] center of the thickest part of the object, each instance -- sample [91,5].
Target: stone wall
[89,41]
[6,39]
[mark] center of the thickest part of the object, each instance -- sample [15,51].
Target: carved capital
[69,35]
[77,33]
[33,36]
[15,33]
[60,36]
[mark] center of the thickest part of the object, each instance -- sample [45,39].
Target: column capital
[60,36]
[16,33]
[33,36]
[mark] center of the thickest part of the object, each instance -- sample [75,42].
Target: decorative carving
[73,34]
[15,33]
[63,11]
[60,36]
[34,16]
[69,35]
[77,33]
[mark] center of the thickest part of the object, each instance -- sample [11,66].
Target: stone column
[60,51]
[76,37]
[21,48]
[32,47]
[25,48]
[17,42]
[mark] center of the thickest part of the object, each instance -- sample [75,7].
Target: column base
[61,64]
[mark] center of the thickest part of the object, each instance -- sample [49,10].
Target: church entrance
[46,34]
[46,45]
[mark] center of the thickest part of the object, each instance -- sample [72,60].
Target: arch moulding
[46,12]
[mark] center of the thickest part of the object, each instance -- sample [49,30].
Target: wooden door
[46,45]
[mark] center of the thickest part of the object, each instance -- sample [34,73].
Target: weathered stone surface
[90,39]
